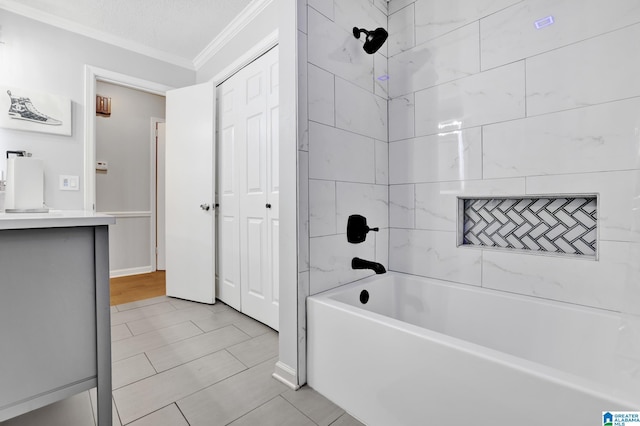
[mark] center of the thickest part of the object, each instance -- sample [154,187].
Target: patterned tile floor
[180,363]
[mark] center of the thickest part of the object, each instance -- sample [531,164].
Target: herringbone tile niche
[562,225]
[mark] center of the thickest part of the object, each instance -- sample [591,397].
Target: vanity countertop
[54,219]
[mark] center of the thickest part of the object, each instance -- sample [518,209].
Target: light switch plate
[69,183]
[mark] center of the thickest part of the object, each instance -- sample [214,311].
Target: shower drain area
[563,225]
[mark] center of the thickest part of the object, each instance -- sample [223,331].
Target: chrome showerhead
[374,40]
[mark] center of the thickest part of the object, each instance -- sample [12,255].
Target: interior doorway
[126,175]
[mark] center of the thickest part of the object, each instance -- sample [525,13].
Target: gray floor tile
[94,405]
[252,327]
[167,319]
[259,349]
[74,411]
[114,309]
[230,399]
[347,420]
[181,303]
[220,319]
[131,370]
[167,416]
[154,339]
[315,406]
[141,303]
[145,396]
[140,313]
[276,412]
[119,332]
[172,355]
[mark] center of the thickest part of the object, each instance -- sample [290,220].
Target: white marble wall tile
[336,154]
[402,206]
[302,15]
[511,34]
[401,117]
[322,207]
[383,5]
[401,31]
[361,14]
[323,6]
[618,217]
[303,211]
[303,106]
[453,155]
[450,57]
[593,71]
[488,97]
[321,95]
[433,254]
[597,138]
[600,283]
[436,204]
[434,18]
[396,5]
[334,49]
[382,247]
[360,111]
[382,162]
[381,75]
[370,201]
[331,261]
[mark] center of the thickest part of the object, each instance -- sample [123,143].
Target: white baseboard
[286,375]
[130,271]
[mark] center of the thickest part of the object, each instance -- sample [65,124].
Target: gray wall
[50,60]
[124,141]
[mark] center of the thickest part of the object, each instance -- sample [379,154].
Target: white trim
[153,187]
[259,49]
[243,19]
[286,375]
[130,271]
[91,75]
[74,27]
[132,214]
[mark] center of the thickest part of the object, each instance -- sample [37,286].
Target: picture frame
[28,110]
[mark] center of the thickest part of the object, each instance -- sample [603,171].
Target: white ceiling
[177,31]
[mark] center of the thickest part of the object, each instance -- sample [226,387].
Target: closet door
[249,204]
[229,194]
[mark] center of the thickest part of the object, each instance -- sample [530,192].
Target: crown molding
[65,24]
[243,19]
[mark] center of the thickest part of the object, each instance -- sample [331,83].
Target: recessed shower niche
[563,225]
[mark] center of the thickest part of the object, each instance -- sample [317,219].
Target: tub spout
[357,263]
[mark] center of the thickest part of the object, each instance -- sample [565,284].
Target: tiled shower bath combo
[495,145]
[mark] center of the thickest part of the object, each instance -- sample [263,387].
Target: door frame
[92,76]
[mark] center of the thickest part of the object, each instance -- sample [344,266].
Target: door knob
[268,205]
[205,207]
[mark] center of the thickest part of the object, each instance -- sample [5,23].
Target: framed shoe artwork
[24,109]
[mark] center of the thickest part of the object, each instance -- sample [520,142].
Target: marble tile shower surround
[343,145]
[482,104]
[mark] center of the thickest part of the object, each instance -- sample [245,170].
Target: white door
[160,198]
[190,172]
[249,201]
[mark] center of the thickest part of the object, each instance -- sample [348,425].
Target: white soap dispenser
[25,184]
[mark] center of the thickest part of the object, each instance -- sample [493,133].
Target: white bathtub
[428,352]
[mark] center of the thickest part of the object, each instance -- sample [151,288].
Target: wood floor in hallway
[137,287]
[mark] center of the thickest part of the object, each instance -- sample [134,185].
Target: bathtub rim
[578,383]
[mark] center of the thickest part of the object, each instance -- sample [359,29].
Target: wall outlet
[102,166]
[69,183]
